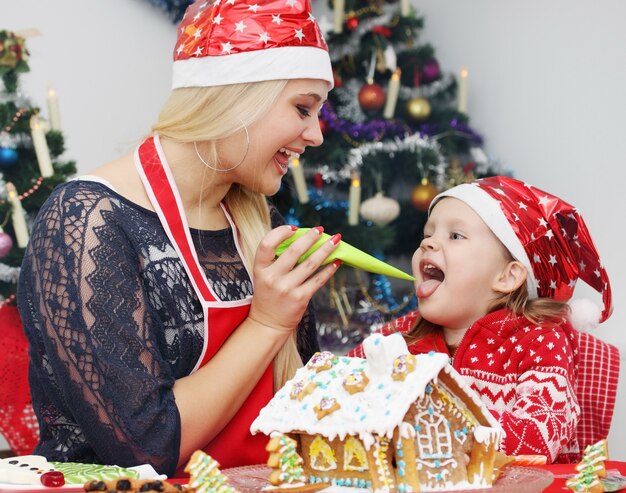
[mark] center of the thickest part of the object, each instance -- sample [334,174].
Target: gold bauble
[423,194]
[418,109]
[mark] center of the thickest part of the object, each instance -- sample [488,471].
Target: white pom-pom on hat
[584,314]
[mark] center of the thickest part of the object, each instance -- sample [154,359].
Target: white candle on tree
[299,181]
[17,216]
[405,8]
[462,92]
[354,199]
[53,110]
[338,12]
[41,147]
[393,90]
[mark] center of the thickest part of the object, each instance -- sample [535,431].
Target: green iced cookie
[78,473]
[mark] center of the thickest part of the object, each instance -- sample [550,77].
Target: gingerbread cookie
[327,405]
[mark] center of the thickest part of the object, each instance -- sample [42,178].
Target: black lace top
[113,321]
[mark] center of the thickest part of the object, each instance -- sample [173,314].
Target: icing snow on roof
[318,401]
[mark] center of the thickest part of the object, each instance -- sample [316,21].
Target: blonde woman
[159,320]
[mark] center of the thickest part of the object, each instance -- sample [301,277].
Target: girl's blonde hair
[208,114]
[537,311]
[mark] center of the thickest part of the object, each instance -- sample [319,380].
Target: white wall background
[547,89]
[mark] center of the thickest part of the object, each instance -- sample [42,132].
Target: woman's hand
[283,288]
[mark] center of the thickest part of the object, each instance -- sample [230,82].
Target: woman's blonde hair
[209,114]
[537,311]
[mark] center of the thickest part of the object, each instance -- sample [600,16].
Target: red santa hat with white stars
[235,41]
[544,233]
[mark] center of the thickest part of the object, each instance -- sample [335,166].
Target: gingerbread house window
[354,455]
[321,455]
[434,440]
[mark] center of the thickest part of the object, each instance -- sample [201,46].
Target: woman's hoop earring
[195,146]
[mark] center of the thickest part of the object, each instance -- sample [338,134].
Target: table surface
[561,473]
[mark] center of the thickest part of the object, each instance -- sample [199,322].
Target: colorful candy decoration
[321,361]
[52,479]
[402,366]
[356,382]
[326,406]
[300,390]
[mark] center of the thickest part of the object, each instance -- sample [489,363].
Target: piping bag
[348,254]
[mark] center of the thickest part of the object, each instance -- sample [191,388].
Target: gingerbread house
[390,422]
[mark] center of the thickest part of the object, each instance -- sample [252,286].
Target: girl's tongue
[433,276]
[426,288]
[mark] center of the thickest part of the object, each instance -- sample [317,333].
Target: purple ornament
[6,243]
[430,71]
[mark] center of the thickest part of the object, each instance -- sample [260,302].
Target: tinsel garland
[9,274]
[365,26]
[410,142]
[348,107]
[173,8]
[430,90]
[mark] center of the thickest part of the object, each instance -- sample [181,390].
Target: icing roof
[321,388]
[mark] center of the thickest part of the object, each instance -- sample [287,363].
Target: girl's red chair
[596,388]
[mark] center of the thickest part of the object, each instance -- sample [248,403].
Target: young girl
[498,262]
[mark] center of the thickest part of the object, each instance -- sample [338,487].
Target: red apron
[234,446]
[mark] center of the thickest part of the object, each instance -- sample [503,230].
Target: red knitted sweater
[524,373]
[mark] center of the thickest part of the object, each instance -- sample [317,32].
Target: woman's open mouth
[282,158]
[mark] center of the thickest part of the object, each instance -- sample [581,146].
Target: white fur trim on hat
[288,62]
[491,213]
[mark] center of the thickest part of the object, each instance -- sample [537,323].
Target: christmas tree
[396,133]
[29,169]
